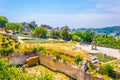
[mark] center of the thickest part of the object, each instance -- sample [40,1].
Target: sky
[58,13]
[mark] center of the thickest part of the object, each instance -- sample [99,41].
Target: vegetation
[41,49]
[3,21]
[65,34]
[107,41]
[104,58]
[57,55]
[63,51]
[35,73]
[86,36]
[40,32]
[30,26]
[105,30]
[14,27]
[106,69]
[55,34]
[77,59]
[109,69]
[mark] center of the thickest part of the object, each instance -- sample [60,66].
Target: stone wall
[73,72]
[20,58]
[58,66]
[76,73]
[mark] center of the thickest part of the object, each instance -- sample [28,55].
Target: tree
[14,27]
[31,26]
[3,21]
[88,35]
[19,27]
[55,34]
[77,36]
[46,26]
[65,34]
[40,32]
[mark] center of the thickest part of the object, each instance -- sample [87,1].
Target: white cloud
[109,15]
[76,20]
[109,5]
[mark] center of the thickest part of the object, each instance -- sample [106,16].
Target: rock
[94,59]
[85,66]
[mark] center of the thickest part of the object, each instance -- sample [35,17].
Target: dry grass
[66,48]
[115,64]
[39,69]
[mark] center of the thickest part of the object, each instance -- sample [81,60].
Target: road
[107,51]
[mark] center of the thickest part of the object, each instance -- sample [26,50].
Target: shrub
[27,39]
[5,44]
[6,50]
[17,45]
[57,55]
[3,39]
[10,41]
[10,50]
[106,69]
[92,66]
[104,58]
[41,49]
[101,71]
[8,72]
[24,33]
[77,59]
[109,69]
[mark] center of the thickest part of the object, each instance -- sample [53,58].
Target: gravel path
[107,51]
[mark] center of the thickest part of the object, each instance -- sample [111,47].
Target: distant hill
[105,30]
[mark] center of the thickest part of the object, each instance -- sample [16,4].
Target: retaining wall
[73,72]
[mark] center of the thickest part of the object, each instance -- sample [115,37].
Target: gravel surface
[107,51]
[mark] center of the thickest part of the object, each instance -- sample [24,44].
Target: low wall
[76,73]
[58,66]
[32,60]
[20,58]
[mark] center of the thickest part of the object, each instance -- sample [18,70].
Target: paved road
[107,51]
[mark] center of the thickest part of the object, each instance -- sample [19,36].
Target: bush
[77,59]
[2,50]
[10,50]
[24,33]
[57,55]
[6,50]
[106,69]
[17,45]
[101,71]
[5,44]
[27,39]
[8,72]
[41,49]
[109,69]
[104,58]
[10,41]
[3,39]
[92,66]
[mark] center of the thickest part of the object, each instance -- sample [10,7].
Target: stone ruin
[94,59]
[85,65]
[93,43]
